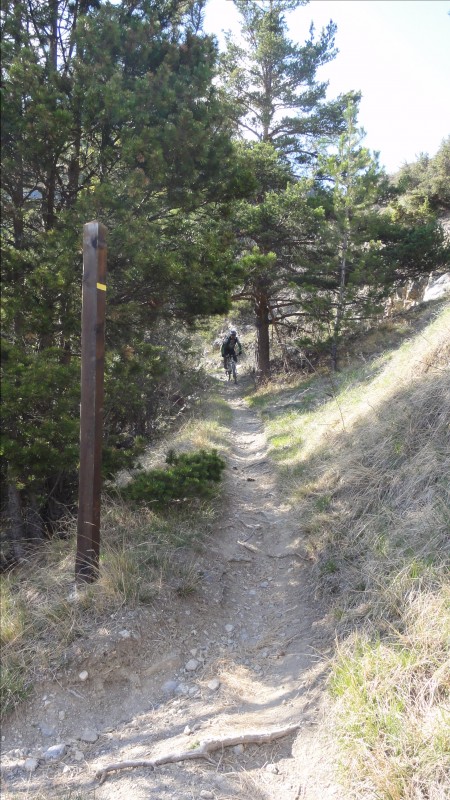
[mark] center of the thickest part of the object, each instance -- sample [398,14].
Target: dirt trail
[253,626]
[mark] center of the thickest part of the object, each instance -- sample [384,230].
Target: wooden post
[91,415]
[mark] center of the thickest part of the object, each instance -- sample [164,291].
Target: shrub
[187,476]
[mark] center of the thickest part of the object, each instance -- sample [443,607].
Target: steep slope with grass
[366,460]
[310,590]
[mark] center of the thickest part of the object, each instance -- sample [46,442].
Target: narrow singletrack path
[247,651]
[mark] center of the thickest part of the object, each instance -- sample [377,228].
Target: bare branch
[202,751]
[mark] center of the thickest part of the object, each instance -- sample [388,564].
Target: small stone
[188,730]
[89,735]
[238,749]
[213,685]
[46,730]
[62,715]
[194,651]
[192,665]
[272,768]
[206,795]
[31,764]
[229,628]
[264,584]
[182,688]
[125,634]
[78,755]
[169,687]
[83,676]
[55,752]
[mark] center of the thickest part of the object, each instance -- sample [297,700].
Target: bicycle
[230,368]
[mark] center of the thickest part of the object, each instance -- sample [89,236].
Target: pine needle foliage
[188,476]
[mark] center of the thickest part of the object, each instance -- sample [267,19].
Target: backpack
[225,343]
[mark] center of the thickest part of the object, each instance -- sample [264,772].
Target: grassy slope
[365,457]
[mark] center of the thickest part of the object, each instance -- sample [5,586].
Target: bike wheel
[234,371]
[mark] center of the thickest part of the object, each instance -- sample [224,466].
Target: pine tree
[109,111]
[353,258]
[280,103]
[367,244]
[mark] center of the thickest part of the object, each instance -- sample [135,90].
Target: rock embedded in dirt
[54,752]
[213,685]
[169,687]
[83,676]
[89,735]
[31,764]
[192,665]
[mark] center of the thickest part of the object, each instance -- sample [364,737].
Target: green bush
[188,476]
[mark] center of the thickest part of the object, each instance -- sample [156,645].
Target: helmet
[233,331]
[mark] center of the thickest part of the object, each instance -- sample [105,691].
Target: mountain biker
[229,345]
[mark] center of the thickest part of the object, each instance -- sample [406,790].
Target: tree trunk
[16,528]
[262,337]
[51,177]
[340,304]
[33,523]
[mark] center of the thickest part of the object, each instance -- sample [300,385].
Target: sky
[396,52]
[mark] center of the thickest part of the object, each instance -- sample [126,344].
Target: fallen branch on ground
[290,554]
[201,751]
[251,547]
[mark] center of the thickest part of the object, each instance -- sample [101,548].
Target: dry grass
[143,554]
[366,460]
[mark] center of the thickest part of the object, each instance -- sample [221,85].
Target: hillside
[308,597]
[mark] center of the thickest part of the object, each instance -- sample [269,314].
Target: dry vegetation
[367,462]
[365,459]
[143,555]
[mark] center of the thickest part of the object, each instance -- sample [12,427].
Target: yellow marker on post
[101,286]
